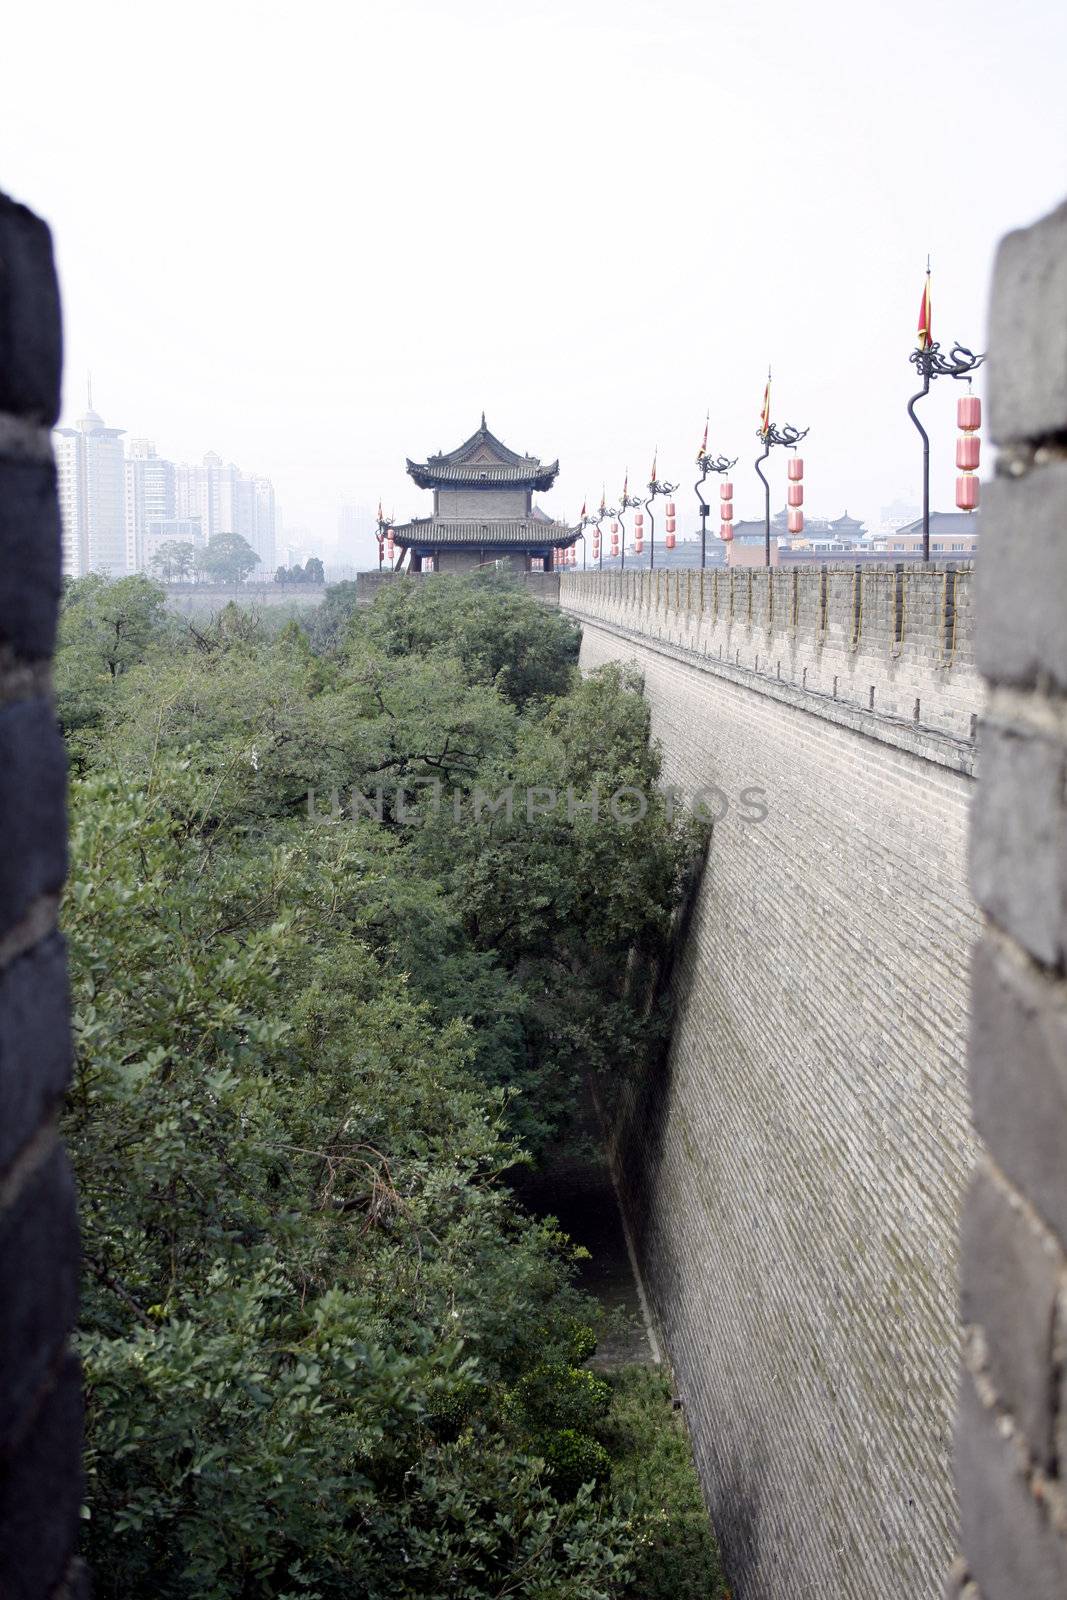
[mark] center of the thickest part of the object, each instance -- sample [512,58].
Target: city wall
[794,1177]
[202,599]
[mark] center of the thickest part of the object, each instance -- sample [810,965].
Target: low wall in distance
[202,599]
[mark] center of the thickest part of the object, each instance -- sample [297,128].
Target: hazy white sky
[318,238]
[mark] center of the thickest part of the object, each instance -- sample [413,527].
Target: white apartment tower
[149,500]
[91,478]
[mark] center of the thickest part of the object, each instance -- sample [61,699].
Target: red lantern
[670,540]
[726,532]
[670,508]
[639,519]
[614,529]
[671,524]
[795,469]
[968,450]
[726,511]
[726,491]
[796,522]
[614,544]
[795,494]
[968,413]
[639,543]
[967,492]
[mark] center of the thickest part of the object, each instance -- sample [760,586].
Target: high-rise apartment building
[149,499]
[227,502]
[92,497]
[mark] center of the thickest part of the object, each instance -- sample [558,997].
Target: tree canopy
[327,1352]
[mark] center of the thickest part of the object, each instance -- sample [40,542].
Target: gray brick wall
[795,1177]
[1011,1435]
[40,1392]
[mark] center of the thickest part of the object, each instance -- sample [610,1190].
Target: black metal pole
[622,543]
[923,392]
[703,523]
[600,543]
[766,504]
[652,534]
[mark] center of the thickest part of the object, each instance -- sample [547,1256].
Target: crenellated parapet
[891,641]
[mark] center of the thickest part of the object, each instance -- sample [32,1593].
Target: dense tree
[229,558]
[326,1352]
[106,627]
[175,558]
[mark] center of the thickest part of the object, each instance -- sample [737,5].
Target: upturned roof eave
[482,475]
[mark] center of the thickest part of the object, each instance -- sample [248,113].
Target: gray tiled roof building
[483,509]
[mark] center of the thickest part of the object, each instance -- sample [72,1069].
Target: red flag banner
[926,332]
[765,414]
[625,489]
[702,452]
[655,460]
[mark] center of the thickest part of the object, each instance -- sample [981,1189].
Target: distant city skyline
[121,503]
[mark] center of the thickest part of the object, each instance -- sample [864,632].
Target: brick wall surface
[40,1394]
[1011,1435]
[795,1176]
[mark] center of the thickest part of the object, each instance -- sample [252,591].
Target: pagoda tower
[483,510]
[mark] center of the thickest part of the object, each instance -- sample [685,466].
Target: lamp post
[580,527]
[656,486]
[626,503]
[706,465]
[603,512]
[772,435]
[930,363]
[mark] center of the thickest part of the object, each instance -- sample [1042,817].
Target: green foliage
[106,628]
[573,1459]
[556,1395]
[175,558]
[526,651]
[326,1352]
[652,1471]
[229,558]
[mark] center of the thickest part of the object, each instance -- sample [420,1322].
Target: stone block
[40,1494]
[30,556]
[1019,837]
[31,346]
[39,1269]
[34,1042]
[1013,1552]
[1028,333]
[1009,1283]
[32,814]
[1021,581]
[1018,1073]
